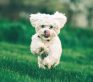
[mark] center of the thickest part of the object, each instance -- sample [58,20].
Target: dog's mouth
[46,36]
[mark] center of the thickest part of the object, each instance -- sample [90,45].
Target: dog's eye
[51,26]
[42,26]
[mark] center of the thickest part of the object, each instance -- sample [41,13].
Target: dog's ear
[33,19]
[60,18]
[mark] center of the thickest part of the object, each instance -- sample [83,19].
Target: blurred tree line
[79,12]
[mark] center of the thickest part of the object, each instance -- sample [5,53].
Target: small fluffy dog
[46,43]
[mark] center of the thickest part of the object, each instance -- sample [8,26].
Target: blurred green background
[17,64]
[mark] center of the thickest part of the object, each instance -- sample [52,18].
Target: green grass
[17,64]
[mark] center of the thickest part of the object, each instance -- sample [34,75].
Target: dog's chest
[47,44]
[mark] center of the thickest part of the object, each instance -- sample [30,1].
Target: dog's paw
[48,63]
[39,51]
[43,50]
[41,66]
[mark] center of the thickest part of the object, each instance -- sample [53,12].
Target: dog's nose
[46,33]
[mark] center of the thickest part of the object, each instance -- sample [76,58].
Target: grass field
[17,64]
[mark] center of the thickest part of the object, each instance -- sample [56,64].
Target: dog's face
[48,26]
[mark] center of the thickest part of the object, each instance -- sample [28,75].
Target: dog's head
[48,26]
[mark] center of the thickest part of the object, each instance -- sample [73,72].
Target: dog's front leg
[43,50]
[54,55]
[40,60]
[49,62]
[39,49]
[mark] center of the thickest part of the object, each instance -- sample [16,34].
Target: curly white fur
[47,45]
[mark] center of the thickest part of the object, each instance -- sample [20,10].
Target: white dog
[46,43]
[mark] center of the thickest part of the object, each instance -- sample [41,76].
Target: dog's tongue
[47,34]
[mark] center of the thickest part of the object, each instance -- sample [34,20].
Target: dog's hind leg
[40,63]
